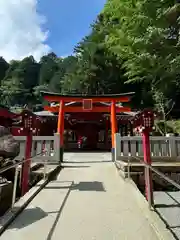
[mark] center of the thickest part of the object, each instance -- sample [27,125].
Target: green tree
[48,66]
[21,77]
[99,70]
[147,38]
[3,68]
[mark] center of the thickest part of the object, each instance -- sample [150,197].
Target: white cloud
[21,34]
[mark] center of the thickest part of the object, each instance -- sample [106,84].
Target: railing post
[26,164]
[57,154]
[117,146]
[148,173]
[172,146]
[107,135]
[129,169]
[45,168]
[15,186]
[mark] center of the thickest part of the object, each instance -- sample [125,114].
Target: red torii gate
[143,120]
[87,106]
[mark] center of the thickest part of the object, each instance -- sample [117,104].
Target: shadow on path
[82,186]
[32,215]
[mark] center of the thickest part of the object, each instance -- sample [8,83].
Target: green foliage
[146,36]
[175,125]
[133,46]
[49,65]
[3,68]
[22,81]
[99,70]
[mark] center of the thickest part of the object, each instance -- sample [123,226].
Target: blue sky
[68,21]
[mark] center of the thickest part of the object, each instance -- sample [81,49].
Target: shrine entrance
[87,122]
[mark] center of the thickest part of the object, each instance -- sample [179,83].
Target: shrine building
[97,118]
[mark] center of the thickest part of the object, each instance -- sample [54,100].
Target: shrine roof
[129,94]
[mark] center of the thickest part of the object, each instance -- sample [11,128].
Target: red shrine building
[77,117]
[95,118]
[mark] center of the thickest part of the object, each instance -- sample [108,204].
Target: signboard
[87,104]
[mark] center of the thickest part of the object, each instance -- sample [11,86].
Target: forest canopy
[133,46]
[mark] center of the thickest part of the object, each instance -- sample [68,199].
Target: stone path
[168,207]
[87,201]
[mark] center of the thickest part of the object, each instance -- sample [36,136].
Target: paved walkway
[168,207]
[87,201]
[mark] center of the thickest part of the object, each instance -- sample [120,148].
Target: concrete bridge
[87,200]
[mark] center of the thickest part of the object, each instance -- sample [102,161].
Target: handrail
[146,165]
[160,174]
[16,165]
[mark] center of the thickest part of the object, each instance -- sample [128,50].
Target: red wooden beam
[80,109]
[78,99]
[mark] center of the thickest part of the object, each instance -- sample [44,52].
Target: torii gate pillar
[60,128]
[113,127]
